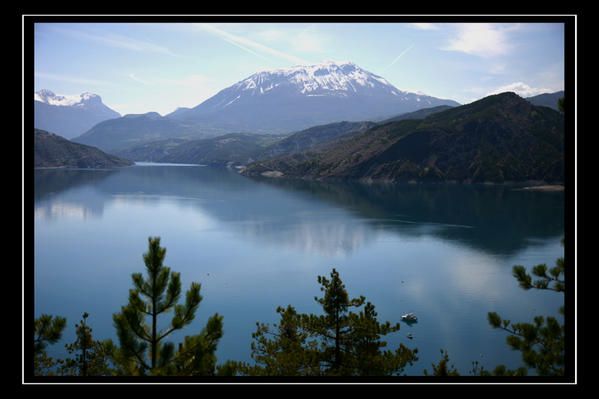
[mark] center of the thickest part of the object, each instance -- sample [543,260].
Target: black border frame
[573,65]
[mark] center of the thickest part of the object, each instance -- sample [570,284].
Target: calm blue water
[444,252]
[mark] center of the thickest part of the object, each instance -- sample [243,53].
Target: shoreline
[530,185]
[545,187]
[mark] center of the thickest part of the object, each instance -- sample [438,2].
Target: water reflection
[442,252]
[498,219]
[48,182]
[68,193]
[61,210]
[331,218]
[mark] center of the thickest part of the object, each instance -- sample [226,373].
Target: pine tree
[542,341]
[91,357]
[47,330]
[367,354]
[339,342]
[334,327]
[284,350]
[443,368]
[143,348]
[196,355]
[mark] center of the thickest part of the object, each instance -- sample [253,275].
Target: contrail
[399,56]
[249,45]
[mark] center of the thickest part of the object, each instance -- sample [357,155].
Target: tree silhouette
[47,330]
[542,341]
[338,342]
[151,297]
[92,358]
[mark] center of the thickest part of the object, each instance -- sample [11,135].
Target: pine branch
[184,320]
[190,350]
[139,358]
[143,336]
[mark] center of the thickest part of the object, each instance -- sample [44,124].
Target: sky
[142,67]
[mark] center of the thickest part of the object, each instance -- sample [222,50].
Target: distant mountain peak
[69,115]
[49,97]
[295,98]
[326,78]
[507,97]
[330,62]
[329,65]
[87,96]
[43,93]
[506,94]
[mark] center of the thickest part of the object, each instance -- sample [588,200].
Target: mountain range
[499,138]
[269,102]
[69,116]
[277,101]
[328,121]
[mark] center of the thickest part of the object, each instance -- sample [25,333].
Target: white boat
[409,317]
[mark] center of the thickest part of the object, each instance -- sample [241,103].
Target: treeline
[345,339]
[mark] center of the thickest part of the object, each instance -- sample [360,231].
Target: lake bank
[545,188]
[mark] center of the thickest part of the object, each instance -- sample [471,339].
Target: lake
[444,252]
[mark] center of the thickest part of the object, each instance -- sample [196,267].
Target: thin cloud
[498,69]
[481,39]
[399,56]
[138,79]
[271,35]
[307,40]
[251,46]
[424,25]
[116,41]
[234,43]
[71,79]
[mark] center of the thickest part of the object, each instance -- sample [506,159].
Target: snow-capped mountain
[283,100]
[69,116]
[328,79]
[83,100]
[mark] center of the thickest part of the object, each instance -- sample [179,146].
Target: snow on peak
[328,77]
[45,93]
[89,96]
[49,97]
